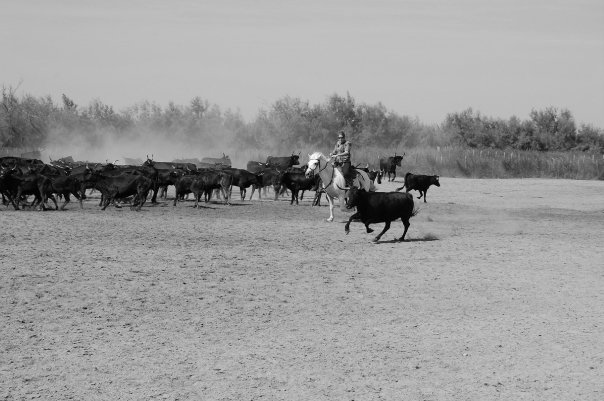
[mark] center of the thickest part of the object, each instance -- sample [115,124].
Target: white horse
[333,181]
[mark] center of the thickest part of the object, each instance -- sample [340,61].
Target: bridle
[332,172]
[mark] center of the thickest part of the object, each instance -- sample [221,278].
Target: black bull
[380,207]
[388,166]
[420,183]
[122,185]
[282,163]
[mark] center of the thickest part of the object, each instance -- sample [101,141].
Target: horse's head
[314,163]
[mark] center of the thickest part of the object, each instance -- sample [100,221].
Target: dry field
[498,294]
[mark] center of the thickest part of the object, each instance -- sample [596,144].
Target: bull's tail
[398,189]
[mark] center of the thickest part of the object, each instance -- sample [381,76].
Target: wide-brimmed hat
[341,134]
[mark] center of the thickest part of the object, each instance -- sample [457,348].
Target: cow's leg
[79,198]
[17,200]
[107,201]
[369,230]
[39,202]
[54,200]
[145,195]
[317,199]
[386,227]
[155,191]
[357,215]
[226,195]
[11,200]
[67,200]
[406,224]
[421,193]
[197,195]
[425,193]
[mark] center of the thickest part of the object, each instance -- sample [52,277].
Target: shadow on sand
[394,241]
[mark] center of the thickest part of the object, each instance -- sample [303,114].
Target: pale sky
[422,58]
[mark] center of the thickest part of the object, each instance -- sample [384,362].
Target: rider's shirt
[342,147]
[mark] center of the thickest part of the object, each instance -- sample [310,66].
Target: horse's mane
[317,155]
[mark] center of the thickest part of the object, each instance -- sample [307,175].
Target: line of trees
[290,123]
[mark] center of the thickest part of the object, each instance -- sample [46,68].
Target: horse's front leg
[330,201]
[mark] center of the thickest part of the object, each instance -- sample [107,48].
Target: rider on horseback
[341,152]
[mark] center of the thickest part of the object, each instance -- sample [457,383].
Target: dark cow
[296,181]
[120,186]
[282,163]
[420,183]
[21,163]
[17,185]
[8,187]
[243,179]
[388,166]
[209,181]
[182,185]
[193,161]
[380,207]
[66,186]
[269,177]
[256,167]
[203,182]
[173,165]
[213,161]
[217,180]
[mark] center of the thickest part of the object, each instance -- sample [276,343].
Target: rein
[332,173]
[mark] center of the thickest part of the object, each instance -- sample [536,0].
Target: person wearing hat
[341,152]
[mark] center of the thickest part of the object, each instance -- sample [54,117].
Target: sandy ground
[498,294]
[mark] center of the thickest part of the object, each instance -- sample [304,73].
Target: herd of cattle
[21,178]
